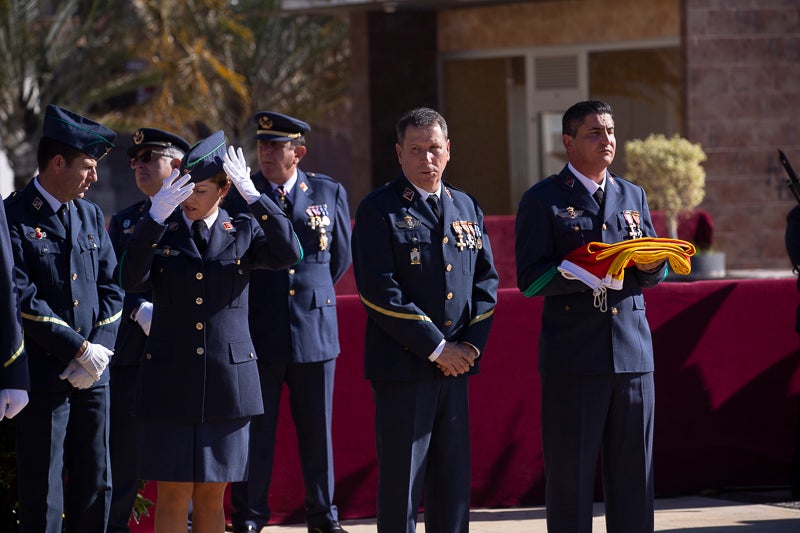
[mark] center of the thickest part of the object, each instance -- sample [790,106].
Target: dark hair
[49,148]
[220,179]
[421,117]
[575,115]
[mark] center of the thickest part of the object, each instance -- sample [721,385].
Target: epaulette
[380,190]
[13,197]
[318,176]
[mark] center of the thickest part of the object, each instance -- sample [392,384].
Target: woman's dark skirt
[208,452]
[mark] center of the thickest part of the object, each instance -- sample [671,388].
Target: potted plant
[671,173]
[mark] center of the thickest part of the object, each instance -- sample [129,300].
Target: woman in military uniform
[198,380]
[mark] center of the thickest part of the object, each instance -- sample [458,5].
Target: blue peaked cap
[64,126]
[155,138]
[204,159]
[273,126]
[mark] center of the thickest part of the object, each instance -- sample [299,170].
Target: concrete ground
[753,513]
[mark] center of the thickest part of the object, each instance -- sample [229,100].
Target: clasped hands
[456,358]
[86,369]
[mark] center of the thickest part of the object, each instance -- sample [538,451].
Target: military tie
[433,201]
[63,216]
[598,197]
[198,228]
[282,199]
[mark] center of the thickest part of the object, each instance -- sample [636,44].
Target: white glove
[95,359]
[237,170]
[170,196]
[144,316]
[77,375]
[12,401]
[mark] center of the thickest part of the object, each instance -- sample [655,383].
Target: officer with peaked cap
[71,308]
[294,327]
[154,155]
[198,380]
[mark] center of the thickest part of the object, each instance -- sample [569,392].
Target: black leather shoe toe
[330,527]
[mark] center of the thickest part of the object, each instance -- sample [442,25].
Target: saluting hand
[236,168]
[172,193]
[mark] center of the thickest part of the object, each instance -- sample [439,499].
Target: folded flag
[602,266]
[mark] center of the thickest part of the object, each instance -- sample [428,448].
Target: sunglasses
[146,157]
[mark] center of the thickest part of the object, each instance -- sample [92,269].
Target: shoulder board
[380,190]
[318,175]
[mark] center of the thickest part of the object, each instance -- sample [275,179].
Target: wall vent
[560,72]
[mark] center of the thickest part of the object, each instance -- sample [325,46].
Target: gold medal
[459,233]
[323,239]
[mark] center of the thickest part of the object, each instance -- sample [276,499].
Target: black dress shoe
[247,528]
[330,527]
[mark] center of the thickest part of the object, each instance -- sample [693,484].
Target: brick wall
[742,104]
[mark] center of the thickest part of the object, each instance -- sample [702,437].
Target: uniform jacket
[556,216]
[13,360]
[130,338]
[293,311]
[421,280]
[66,284]
[199,361]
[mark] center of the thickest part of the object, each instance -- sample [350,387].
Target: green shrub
[670,172]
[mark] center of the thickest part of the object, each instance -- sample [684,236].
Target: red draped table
[727,383]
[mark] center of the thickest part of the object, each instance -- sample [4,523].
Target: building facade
[722,73]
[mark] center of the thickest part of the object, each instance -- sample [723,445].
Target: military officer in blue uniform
[198,380]
[154,155]
[294,327]
[14,381]
[596,366]
[424,270]
[71,308]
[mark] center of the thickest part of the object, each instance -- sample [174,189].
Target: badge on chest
[318,220]
[632,224]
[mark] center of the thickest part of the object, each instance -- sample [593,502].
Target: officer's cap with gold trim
[204,159]
[277,127]
[91,138]
[155,138]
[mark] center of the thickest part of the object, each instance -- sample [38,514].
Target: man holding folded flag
[595,357]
